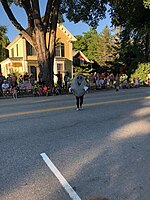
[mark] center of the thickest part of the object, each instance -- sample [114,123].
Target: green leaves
[132,16]
[146,4]
[84,10]
[141,72]
[100,48]
[87,43]
[3,43]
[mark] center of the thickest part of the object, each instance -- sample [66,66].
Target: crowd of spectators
[25,84]
[109,80]
[13,85]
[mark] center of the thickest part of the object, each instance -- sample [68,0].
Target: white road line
[61,179]
[42,100]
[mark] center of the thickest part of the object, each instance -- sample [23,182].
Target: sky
[75,29]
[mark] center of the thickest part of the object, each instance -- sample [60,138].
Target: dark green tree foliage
[90,12]
[131,54]
[80,44]
[100,48]
[93,41]
[87,43]
[128,54]
[4,41]
[134,20]
[105,52]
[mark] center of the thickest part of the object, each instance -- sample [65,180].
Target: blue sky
[75,29]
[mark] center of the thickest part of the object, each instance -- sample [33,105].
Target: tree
[141,72]
[134,20]
[4,41]
[105,52]
[100,48]
[87,43]
[38,25]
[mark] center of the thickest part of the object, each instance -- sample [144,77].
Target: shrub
[141,72]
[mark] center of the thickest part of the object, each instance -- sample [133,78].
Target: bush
[141,72]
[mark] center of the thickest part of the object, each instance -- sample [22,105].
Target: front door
[33,71]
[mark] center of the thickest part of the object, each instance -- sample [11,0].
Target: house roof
[60,26]
[69,35]
[14,41]
[82,54]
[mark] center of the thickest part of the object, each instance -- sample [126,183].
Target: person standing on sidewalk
[78,88]
[2,78]
[117,84]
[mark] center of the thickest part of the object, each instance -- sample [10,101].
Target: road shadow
[107,146]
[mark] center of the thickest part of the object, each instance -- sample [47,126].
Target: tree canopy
[141,72]
[134,20]
[87,43]
[4,41]
[98,47]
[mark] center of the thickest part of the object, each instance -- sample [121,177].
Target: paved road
[103,150]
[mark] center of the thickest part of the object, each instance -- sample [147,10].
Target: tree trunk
[147,47]
[45,57]
[52,55]
[44,64]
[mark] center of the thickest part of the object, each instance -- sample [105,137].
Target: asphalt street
[102,151]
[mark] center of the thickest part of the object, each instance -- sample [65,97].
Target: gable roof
[14,41]
[60,26]
[68,34]
[82,55]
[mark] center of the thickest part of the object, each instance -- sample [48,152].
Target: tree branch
[47,14]
[15,22]
[36,14]
[29,12]
[53,20]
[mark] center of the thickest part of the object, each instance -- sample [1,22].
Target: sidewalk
[29,94]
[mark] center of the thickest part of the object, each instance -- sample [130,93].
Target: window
[33,71]
[81,62]
[59,67]
[76,61]
[17,50]
[12,52]
[30,50]
[60,50]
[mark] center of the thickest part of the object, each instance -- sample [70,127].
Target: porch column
[11,66]
[3,69]
[24,62]
[24,66]
[71,58]
[55,70]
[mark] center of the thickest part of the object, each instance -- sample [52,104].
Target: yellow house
[22,56]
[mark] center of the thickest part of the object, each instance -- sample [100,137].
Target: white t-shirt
[5,86]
